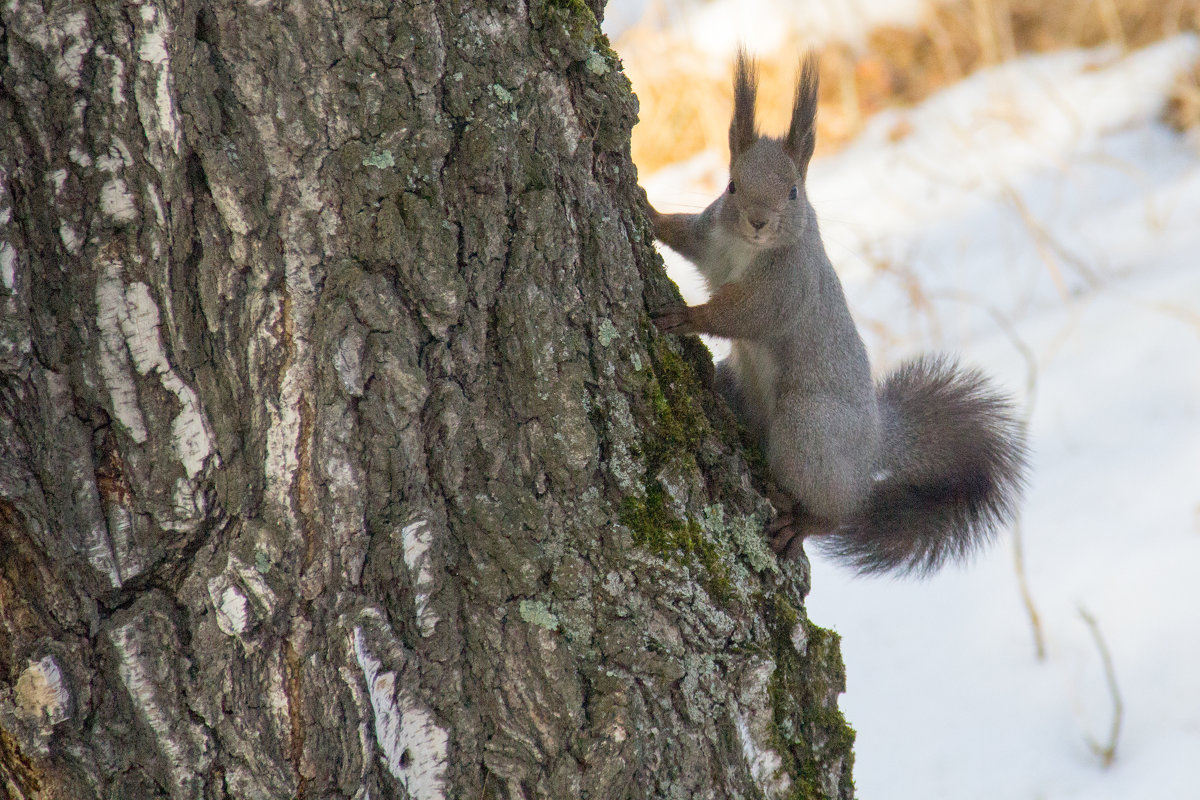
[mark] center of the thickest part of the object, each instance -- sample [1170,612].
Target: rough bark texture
[338,457]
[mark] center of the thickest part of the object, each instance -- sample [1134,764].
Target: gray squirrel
[900,477]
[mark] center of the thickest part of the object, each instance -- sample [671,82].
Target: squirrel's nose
[757,225]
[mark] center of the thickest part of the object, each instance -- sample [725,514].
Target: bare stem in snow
[1107,752]
[1031,383]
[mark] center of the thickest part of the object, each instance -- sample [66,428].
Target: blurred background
[1016,182]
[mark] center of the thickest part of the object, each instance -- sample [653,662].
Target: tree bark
[338,456]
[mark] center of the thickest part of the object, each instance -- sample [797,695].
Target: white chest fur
[726,258]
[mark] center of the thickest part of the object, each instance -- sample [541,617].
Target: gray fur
[952,467]
[802,133]
[742,129]
[901,478]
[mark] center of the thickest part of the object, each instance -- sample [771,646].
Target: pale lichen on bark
[40,699]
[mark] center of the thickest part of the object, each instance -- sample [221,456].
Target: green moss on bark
[809,729]
[657,529]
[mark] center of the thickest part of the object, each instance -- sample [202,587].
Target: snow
[1040,221]
[762,25]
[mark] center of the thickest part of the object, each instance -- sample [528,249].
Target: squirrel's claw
[787,540]
[672,320]
[789,530]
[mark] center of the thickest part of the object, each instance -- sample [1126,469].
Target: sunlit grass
[685,92]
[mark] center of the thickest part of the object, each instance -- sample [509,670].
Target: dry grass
[1183,104]
[685,97]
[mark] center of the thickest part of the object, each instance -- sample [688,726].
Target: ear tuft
[802,133]
[742,130]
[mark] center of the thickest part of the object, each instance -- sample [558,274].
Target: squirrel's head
[766,175]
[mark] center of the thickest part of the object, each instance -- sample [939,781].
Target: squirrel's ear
[742,131]
[802,133]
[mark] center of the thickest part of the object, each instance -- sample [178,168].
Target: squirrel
[901,477]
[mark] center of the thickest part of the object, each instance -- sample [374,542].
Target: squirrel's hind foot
[789,530]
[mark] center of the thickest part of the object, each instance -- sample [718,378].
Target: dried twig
[1031,383]
[1035,619]
[1107,753]
[1049,248]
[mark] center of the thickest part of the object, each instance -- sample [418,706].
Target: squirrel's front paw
[676,319]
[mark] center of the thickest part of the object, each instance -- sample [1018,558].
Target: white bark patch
[415,540]
[239,597]
[283,447]
[120,536]
[150,191]
[557,96]
[116,80]
[187,503]
[116,83]
[74,46]
[70,239]
[140,324]
[60,34]
[189,430]
[8,265]
[166,109]
[153,48]
[350,677]
[153,51]
[347,362]
[141,670]
[42,693]
[752,721]
[116,202]
[130,329]
[114,359]
[58,179]
[135,669]
[413,746]
[764,764]
[253,583]
[117,158]
[283,434]
[800,638]
[233,612]
[230,208]
[156,204]
[193,444]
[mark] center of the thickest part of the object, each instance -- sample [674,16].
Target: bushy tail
[953,471]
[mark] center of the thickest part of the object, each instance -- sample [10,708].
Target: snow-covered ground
[1038,220]
[762,25]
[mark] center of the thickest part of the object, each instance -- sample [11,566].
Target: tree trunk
[338,456]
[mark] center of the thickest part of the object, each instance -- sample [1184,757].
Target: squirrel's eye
[732,188]
[793,194]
